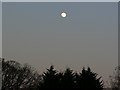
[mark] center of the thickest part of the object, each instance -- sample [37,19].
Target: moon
[63,14]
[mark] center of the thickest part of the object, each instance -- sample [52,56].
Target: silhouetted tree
[18,77]
[50,79]
[88,80]
[115,79]
[23,77]
[68,79]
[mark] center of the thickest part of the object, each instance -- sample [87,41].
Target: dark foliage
[68,79]
[22,77]
[88,80]
[17,77]
[50,79]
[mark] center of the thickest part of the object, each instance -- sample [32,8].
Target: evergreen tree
[50,79]
[88,80]
[68,79]
[22,77]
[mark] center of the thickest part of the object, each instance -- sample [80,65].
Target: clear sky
[35,33]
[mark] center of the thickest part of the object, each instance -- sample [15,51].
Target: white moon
[63,14]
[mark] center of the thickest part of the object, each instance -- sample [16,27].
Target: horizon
[36,34]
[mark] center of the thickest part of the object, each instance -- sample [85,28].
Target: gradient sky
[35,33]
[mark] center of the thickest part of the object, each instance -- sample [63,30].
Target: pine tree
[50,79]
[68,79]
[88,80]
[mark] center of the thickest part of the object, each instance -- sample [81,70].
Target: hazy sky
[35,33]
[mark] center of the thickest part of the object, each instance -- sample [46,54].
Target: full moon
[63,14]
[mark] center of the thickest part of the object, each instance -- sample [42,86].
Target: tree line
[16,76]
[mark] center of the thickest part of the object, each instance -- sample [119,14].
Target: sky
[36,34]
